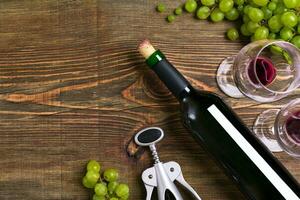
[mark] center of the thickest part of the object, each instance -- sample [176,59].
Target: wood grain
[73,87]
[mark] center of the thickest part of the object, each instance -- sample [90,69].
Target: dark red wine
[293,126]
[259,175]
[264,70]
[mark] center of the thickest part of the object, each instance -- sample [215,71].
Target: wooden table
[73,87]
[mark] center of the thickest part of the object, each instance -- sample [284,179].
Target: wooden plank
[74,88]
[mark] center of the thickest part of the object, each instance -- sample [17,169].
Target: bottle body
[208,118]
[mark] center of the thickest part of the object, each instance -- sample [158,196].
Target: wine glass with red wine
[264,71]
[279,129]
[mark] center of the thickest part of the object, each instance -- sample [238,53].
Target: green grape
[298,28]
[240,8]
[272,36]
[267,13]
[276,1]
[111,175]
[275,23]
[92,176]
[252,26]
[232,14]
[93,165]
[161,7]
[246,18]
[286,33]
[289,19]
[252,4]
[279,9]
[226,5]
[190,6]
[247,8]
[125,197]
[112,187]
[290,3]
[274,30]
[178,11]
[170,18]
[244,30]
[272,6]
[239,2]
[276,49]
[287,57]
[96,197]
[122,190]
[113,198]
[86,183]
[216,15]
[100,189]
[261,2]
[208,2]
[261,33]
[203,12]
[255,14]
[232,34]
[296,41]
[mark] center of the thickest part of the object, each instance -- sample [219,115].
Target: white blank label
[264,167]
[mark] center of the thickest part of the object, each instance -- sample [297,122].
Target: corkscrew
[161,175]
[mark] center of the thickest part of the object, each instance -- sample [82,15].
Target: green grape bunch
[105,187]
[258,19]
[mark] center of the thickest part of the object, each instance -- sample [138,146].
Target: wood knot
[133,150]
[148,90]
[155,87]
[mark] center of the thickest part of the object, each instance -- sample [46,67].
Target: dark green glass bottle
[258,174]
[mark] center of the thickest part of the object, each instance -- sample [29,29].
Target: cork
[146,49]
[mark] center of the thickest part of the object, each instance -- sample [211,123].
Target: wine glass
[265,71]
[279,129]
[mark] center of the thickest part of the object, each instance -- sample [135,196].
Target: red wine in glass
[264,70]
[293,127]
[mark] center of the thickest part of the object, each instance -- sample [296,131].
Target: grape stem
[212,9]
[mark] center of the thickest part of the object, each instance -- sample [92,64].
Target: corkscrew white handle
[174,172]
[158,177]
[163,176]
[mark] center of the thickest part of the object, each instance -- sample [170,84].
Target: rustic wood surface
[73,87]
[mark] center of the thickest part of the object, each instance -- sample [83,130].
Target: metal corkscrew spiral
[154,153]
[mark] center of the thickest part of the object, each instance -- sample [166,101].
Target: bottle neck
[170,76]
[186,92]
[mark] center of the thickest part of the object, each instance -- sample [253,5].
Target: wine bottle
[258,174]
